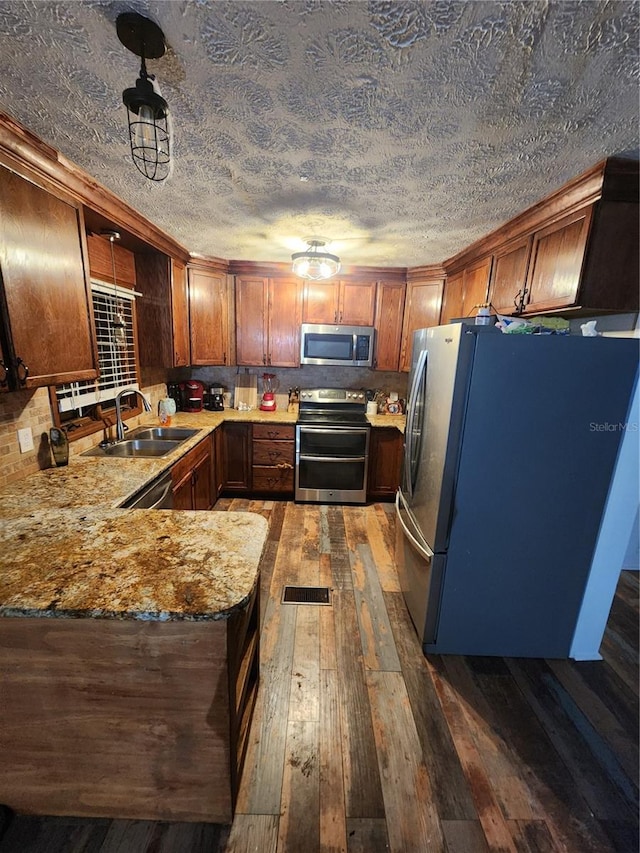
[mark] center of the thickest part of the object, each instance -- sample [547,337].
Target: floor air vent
[306,595]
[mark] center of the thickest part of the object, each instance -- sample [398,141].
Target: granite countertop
[129,564]
[69,551]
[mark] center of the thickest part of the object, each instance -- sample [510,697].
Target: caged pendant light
[314,265]
[147,110]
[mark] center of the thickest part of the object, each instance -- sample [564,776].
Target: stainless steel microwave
[349,346]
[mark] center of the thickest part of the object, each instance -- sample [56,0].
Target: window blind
[113,309]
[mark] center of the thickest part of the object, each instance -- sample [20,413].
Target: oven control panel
[332,395]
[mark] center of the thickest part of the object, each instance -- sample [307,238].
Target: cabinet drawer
[273,452]
[274,432]
[272,479]
[190,461]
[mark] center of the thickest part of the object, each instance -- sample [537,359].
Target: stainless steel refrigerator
[510,445]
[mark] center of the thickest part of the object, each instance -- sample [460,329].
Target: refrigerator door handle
[421,366]
[421,547]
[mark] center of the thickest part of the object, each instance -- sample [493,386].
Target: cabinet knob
[22,371]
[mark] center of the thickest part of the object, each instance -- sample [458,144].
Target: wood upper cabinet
[465,290]
[422,309]
[576,252]
[162,311]
[390,299]
[180,314]
[47,314]
[102,264]
[268,318]
[209,316]
[351,303]
[557,257]
[510,265]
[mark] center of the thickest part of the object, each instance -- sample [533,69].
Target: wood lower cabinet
[236,458]
[422,309]
[268,319]
[351,303]
[243,643]
[385,463]
[192,478]
[390,298]
[273,458]
[45,303]
[128,718]
[218,461]
[209,316]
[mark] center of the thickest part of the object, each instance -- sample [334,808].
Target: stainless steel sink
[159,434]
[135,447]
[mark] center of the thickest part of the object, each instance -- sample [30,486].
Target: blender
[269,387]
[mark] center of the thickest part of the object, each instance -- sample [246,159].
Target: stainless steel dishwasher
[155,495]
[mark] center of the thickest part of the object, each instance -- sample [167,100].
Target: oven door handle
[332,458]
[333,430]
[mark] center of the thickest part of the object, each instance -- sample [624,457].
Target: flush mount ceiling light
[315,265]
[148,112]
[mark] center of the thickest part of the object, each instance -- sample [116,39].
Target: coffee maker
[193,399]
[177,394]
[214,401]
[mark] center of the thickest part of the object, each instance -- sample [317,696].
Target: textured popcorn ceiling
[400,132]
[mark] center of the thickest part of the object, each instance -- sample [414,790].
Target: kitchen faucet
[119,424]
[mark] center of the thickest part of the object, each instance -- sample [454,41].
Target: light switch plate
[25,439]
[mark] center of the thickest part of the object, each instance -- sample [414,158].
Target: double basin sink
[145,442]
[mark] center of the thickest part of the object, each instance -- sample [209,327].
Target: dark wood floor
[361,744]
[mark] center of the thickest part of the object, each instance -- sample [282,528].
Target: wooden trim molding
[37,161]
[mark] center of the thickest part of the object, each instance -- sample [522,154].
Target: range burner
[335,406]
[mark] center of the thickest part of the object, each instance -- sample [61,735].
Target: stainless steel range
[332,446]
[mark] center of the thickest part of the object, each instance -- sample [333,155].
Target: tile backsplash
[31,409]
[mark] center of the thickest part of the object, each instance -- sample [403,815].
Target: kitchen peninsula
[128,647]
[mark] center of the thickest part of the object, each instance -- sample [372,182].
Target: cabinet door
[509,276]
[101,264]
[476,286]
[236,457]
[183,492]
[180,313]
[557,255]
[422,309]
[284,320]
[388,324]
[42,267]
[251,320]
[453,299]
[357,303]
[320,302]
[218,465]
[201,482]
[208,316]
[4,372]
[385,463]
